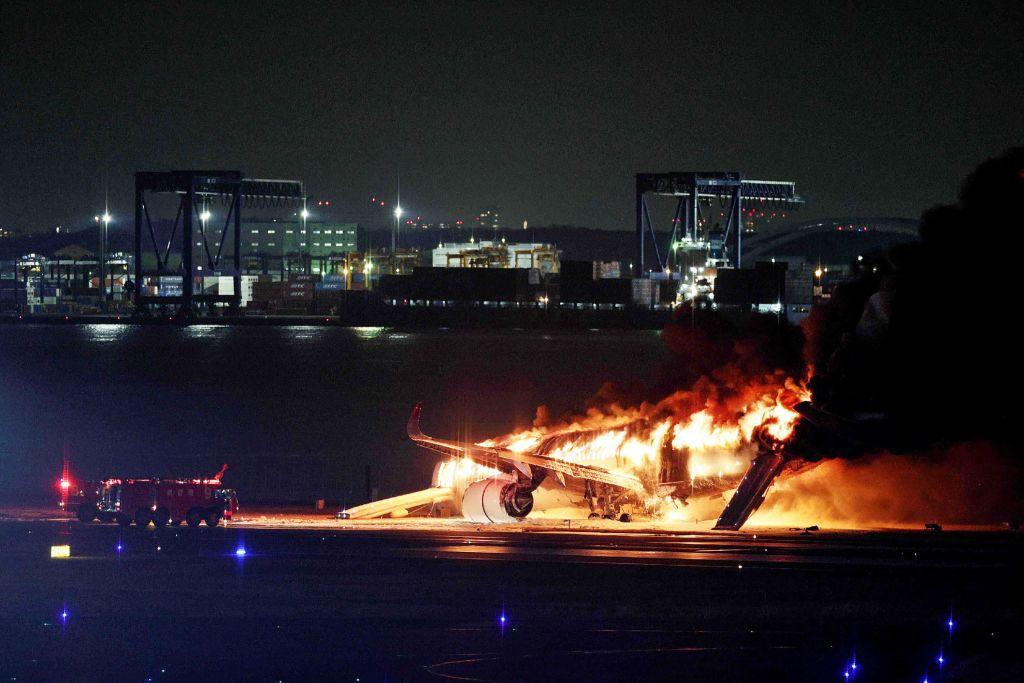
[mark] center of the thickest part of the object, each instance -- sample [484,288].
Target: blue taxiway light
[240,552]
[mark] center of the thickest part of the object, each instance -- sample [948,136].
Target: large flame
[458,472]
[694,440]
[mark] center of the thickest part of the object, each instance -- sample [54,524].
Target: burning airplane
[652,460]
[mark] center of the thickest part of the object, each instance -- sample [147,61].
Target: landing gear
[605,502]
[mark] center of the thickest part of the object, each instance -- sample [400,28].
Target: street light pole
[103,221]
[394,234]
[302,236]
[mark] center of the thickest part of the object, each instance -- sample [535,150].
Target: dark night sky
[545,110]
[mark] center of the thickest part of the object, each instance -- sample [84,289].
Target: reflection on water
[104,333]
[205,331]
[306,333]
[368,332]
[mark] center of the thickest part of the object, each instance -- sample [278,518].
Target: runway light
[60,551]
[240,552]
[204,216]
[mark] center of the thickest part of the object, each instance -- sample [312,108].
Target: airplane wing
[486,455]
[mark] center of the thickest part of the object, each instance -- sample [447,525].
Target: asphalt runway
[451,602]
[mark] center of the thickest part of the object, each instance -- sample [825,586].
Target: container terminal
[220,247]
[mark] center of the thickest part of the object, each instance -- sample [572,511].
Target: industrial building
[318,239]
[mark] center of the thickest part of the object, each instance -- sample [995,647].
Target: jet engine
[491,501]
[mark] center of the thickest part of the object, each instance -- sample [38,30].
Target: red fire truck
[160,501]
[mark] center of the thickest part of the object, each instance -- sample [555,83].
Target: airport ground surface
[420,601]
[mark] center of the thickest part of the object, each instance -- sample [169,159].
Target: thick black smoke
[929,336]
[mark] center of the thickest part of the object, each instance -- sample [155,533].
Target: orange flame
[712,441]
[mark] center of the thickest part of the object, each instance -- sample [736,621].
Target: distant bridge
[768,242]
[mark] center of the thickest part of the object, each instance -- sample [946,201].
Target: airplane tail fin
[413,427]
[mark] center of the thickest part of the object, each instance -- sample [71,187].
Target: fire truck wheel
[594,515]
[142,517]
[194,517]
[212,518]
[85,514]
[626,517]
[123,519]
[161,517]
